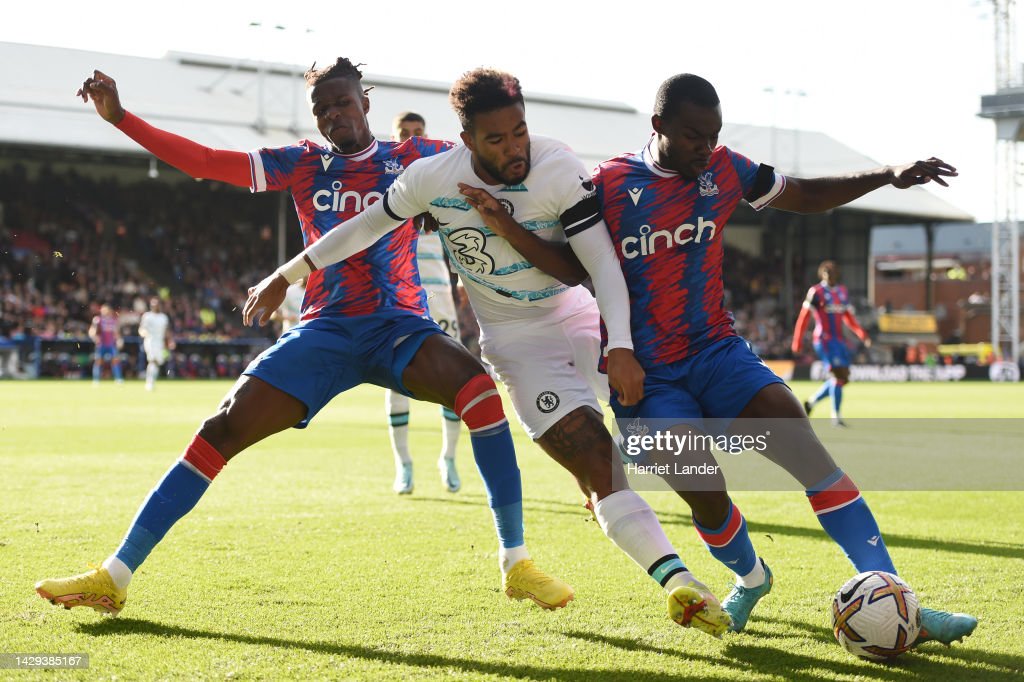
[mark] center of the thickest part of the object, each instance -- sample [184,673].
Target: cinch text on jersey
[326,200]
[647,243]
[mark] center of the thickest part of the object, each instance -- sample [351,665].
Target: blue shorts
[318,359]
[716,383]
[833,353]
[106,352]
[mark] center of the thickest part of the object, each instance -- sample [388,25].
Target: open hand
[103,91]
[922,172]
[489,208]
[264,299]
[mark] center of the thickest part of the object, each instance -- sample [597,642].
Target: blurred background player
[830,304]
[155,330]
[105,332]
[436,280]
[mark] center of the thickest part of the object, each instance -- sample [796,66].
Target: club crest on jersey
[507,205]
[395,167]
[706,185]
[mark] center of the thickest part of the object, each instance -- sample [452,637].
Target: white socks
[450,437]
[510,556]
[755,578]
[119,572]
[631,524]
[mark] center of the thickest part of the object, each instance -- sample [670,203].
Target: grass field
[299,563]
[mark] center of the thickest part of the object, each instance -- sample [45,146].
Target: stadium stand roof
[242,104]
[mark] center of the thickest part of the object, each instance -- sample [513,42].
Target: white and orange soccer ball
[876,615]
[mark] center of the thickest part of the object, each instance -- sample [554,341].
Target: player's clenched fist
[625,376]
[102,89]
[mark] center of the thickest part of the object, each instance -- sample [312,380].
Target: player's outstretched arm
[554,258]
[187,156]
[338,244]
[814,195]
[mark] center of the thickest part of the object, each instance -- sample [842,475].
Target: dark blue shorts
[318,359]
[106,352]
[833,353]
[716,383]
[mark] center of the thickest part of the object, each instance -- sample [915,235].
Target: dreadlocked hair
[482,90]
[341,68]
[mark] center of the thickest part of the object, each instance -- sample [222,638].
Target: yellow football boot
[95,588]
[526,581]
[694,607]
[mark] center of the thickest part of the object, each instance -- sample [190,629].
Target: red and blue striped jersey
[829,305]
[106,329]
[329,188]
[667,232]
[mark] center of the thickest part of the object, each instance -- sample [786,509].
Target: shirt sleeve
[761,184]
[578,207]
[272,168]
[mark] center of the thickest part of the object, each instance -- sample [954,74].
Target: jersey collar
[652,165]
[359,156]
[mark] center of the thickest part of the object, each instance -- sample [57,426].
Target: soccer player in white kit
[436,280]
[155,330]
[506,204]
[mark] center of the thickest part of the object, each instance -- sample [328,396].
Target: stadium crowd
[70,242]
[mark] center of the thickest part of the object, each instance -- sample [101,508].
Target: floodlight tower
[1006,108]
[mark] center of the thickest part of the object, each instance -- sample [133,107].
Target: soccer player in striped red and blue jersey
[829,303]
[666,207]
[105,332]
[364,321]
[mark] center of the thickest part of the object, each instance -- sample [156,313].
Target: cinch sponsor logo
[336,200]
[650,241]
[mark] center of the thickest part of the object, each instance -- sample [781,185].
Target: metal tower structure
[1006,108]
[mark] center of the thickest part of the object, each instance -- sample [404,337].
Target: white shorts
[441,307]
[155,352]
[549,364]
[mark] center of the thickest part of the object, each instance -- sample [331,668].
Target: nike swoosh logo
[848,595]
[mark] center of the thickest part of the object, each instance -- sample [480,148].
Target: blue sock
[730,542]
[837,396]
[97,370]
[496,459]
[173,497]
[116,369]
[845,516]
[822,392]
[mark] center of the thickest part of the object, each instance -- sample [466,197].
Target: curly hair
[684,87]
[482,90]
[341,68]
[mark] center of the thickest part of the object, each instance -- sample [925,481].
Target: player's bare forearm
[555,258]
[822,194]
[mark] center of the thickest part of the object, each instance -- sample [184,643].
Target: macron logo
[874,541]
[326,160]
[651,240]
[634,194]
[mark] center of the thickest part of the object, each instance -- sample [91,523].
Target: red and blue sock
[478,404]
[730,542]
[845,516]
[173,497]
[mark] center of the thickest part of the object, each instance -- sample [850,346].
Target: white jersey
[556,199]
[434,274]
[153,326]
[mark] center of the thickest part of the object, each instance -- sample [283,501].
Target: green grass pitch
[300,563]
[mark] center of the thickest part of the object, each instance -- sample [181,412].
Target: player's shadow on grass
[137,627]
[1004,550]
[740,652]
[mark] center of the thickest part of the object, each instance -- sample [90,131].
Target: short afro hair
[482,90]
[684,87]
[341,68]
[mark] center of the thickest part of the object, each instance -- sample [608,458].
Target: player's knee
[710,508]
[223,432]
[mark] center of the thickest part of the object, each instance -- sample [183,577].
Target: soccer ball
[875,615]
